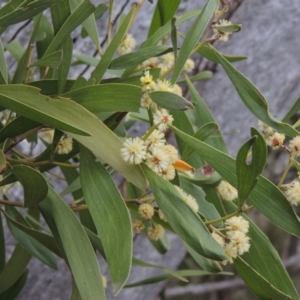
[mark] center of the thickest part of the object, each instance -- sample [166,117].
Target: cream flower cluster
[149,85]
[188,199]
[165,63]
[227,191]
[235,242]
[154,151]
[65,145]
[153,148]
[127,44]
[146,212]
[292,192]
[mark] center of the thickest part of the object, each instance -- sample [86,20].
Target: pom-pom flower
[293,192]
[156,139]
[162,119]
[156,233]
[220,240]
[134,150]
[227,191]
[295,146]
[146,211]
[65,145]
[138,226]
[146,101]
[276,140]
[188,199]
[158,160]
[147,82]
[265,129]
[189,66]
[127,44]
[237,223]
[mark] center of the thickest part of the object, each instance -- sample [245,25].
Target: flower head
[127,44]
[188,199]
[168,59]
[177,90]
[156,139]
[295,146]
[171,151]
[227,191]
[220,240]
[156,233]
[163,85]
[189,66]
[134,150]
[168,173]
[147,82]
[293,192]
[276,140]
[231,252]
[162,119]
[239,240]
[146,211]
[157,160]
[237,223]
[265,129]
[65,145]
[146,101]
[138,226]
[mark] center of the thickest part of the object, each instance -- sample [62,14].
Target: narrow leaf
[16,127]
[14,268]
[203,116]
[3,66]
[13,292]
[107,97]
[293,110]
[52,60]
[182,219]
[188,273]
[247,173]
[27,101]
[164,11]
[81,257]
[25,12]
[2,161]
[207,52]
[112,48]
[45,239]
[63,70]
[257,284]
[2,246]
[253,98]
[110,215]
[30,244]
[170,101]
[137,57]
[89,24]
[202,134]
[81,13]
[34,184]
[193,36]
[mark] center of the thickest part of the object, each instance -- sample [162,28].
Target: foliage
[198,192]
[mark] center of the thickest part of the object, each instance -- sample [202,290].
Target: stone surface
[271,40]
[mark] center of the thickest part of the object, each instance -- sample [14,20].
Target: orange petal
[182,166]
